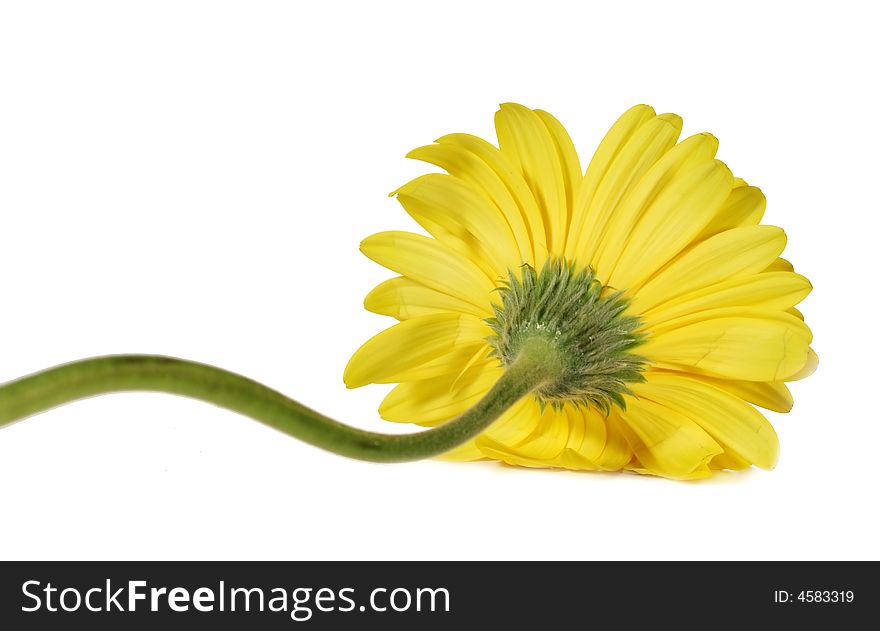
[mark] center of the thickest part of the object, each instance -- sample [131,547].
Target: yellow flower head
[651,274]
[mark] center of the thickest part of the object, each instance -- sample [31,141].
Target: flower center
[583,321]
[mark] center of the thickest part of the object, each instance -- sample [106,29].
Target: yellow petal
[576,427]
[589,433]
[432,264]
[410,344]
[560,442]
[770,395]
[701,472]
[454,362]
[527,142]
[739,343]
[548,438]
[780,265]
[730,461]
[644,148]
[665,441]
[458,208]
[732,422]
[515,183]
[404,298]
[433,401]
[496,451]
[809,367]
[572,175]
[467,452]
[744,207]
[691,151]
[770,291]
[730,254]
[515,425]
[617,452]
[459,161]
[671,222]
[571,459]
[619,134]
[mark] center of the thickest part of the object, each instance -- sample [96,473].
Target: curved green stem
[120,373]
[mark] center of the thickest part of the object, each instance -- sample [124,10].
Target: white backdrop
[193,179]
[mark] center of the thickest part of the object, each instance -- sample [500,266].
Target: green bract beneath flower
[583,321]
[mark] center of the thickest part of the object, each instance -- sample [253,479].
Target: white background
[193,179]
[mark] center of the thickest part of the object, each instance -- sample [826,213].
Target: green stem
[124,373]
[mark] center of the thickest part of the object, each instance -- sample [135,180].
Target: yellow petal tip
[673,119]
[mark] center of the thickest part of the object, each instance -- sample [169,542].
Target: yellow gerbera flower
[667,300]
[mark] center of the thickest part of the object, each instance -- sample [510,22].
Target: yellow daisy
[665,300]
